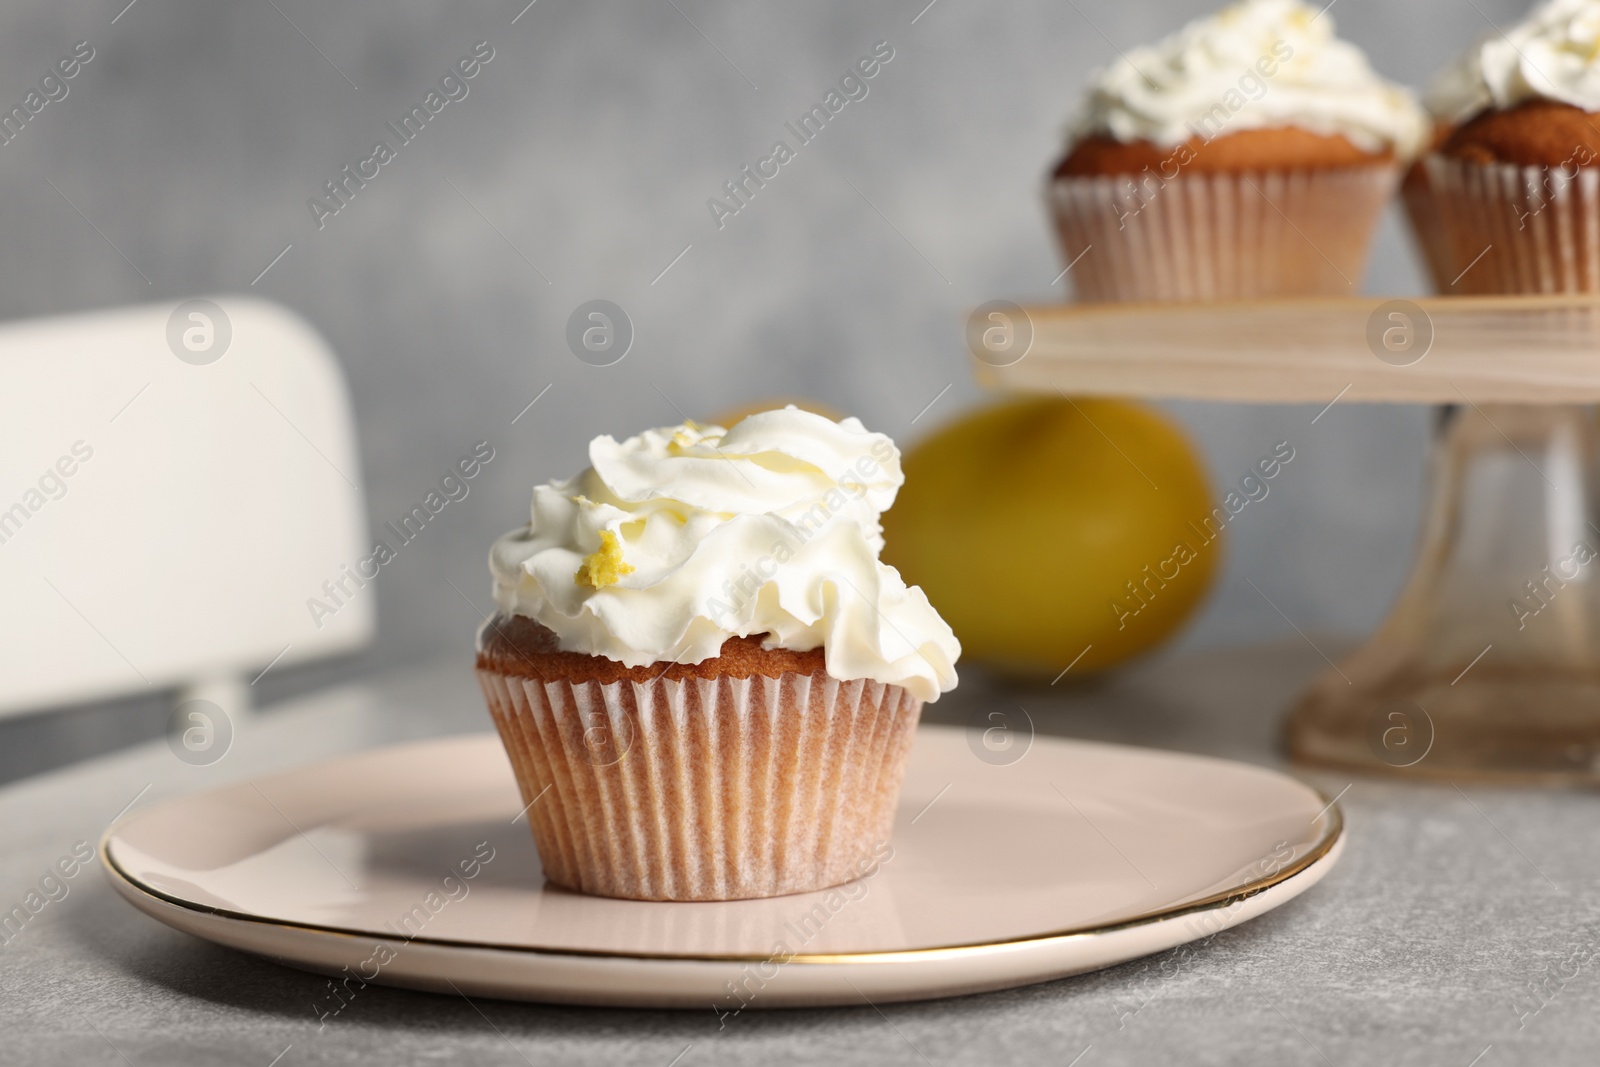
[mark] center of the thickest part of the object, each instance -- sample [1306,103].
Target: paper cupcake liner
[1519,229]
[705,789]
[1219,236]
[1428,230]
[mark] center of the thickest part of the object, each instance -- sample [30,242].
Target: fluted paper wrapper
[1429,232]
[1520,229]
[1219,236]
[705,789]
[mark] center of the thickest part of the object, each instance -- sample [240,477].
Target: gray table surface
[1460,928]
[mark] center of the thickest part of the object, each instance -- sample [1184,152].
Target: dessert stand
[1488,665]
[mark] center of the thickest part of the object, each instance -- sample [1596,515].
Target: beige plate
[1073,857]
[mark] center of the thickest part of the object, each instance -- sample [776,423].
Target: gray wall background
[579,167]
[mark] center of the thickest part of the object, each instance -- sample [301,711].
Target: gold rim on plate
[1332,833]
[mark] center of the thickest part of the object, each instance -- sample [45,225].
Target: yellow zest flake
[692,435]
[605,566]
[686,438]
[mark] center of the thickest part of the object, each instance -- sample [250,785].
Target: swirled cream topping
[1253,65]
[680,538]
[1553,54]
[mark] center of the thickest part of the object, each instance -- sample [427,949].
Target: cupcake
[705,679]
[1248,155]
[1516,184]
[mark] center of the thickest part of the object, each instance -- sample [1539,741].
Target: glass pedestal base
[1488,666]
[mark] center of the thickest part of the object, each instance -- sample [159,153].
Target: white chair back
[177,482]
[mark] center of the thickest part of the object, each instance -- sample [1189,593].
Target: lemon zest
[605,566]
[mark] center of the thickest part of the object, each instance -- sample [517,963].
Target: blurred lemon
[1042,527]
[727,418]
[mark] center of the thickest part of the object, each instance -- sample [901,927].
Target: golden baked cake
[1250,154]
[1515,183]
[705,679]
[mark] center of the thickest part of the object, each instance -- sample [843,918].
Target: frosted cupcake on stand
[705,679]
[1248,155]
[1516,182]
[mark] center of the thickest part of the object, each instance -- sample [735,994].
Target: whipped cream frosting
[1253,65]
[680,538]
[1553,54]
